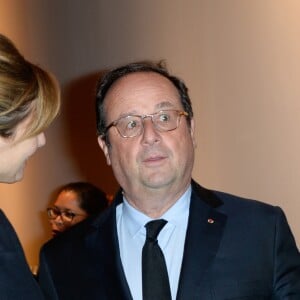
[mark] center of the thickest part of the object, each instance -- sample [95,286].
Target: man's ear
[104,146]
[192,130]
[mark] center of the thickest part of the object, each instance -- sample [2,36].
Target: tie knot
[153,228]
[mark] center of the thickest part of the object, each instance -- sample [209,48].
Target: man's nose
[150,133]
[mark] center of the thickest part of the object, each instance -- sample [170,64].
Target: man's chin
[157,182]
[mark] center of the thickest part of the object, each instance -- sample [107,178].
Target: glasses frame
[62,214]
[115,123]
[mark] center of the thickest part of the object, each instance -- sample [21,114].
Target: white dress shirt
[132,235]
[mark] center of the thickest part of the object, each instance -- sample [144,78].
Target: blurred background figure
[75,202]
[29,101]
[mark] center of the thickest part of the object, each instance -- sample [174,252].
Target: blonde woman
[29,101]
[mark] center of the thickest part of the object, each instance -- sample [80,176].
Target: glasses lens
[130,126]
[67,216]
[166,120]
[52,213]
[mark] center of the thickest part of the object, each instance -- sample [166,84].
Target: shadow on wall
[80,133]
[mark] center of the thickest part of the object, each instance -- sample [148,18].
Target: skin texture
[67,201]
[15,151]
[154,169]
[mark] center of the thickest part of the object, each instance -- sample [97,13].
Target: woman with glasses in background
[29,101]
[75,202]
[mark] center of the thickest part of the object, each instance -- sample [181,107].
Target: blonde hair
[25,90]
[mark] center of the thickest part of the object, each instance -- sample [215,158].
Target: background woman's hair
[90,198]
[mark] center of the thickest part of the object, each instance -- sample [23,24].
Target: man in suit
[214,245]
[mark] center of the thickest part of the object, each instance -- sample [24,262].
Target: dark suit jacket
[16,279]
[234,249]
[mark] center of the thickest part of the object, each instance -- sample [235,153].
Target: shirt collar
[136,220]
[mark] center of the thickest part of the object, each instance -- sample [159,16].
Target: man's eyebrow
[159,106]
[164,104]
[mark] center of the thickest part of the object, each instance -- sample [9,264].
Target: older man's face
[154,159]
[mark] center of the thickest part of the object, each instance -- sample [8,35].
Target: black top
[16,279]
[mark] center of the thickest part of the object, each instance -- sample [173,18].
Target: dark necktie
[155,275]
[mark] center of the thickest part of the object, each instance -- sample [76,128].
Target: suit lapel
[103,243]
[204,232]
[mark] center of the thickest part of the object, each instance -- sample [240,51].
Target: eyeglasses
[67,216]
[133,125]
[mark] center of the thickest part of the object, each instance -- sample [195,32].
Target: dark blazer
[16,279]
[235,249]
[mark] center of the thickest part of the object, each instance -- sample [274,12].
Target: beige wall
[240,59]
